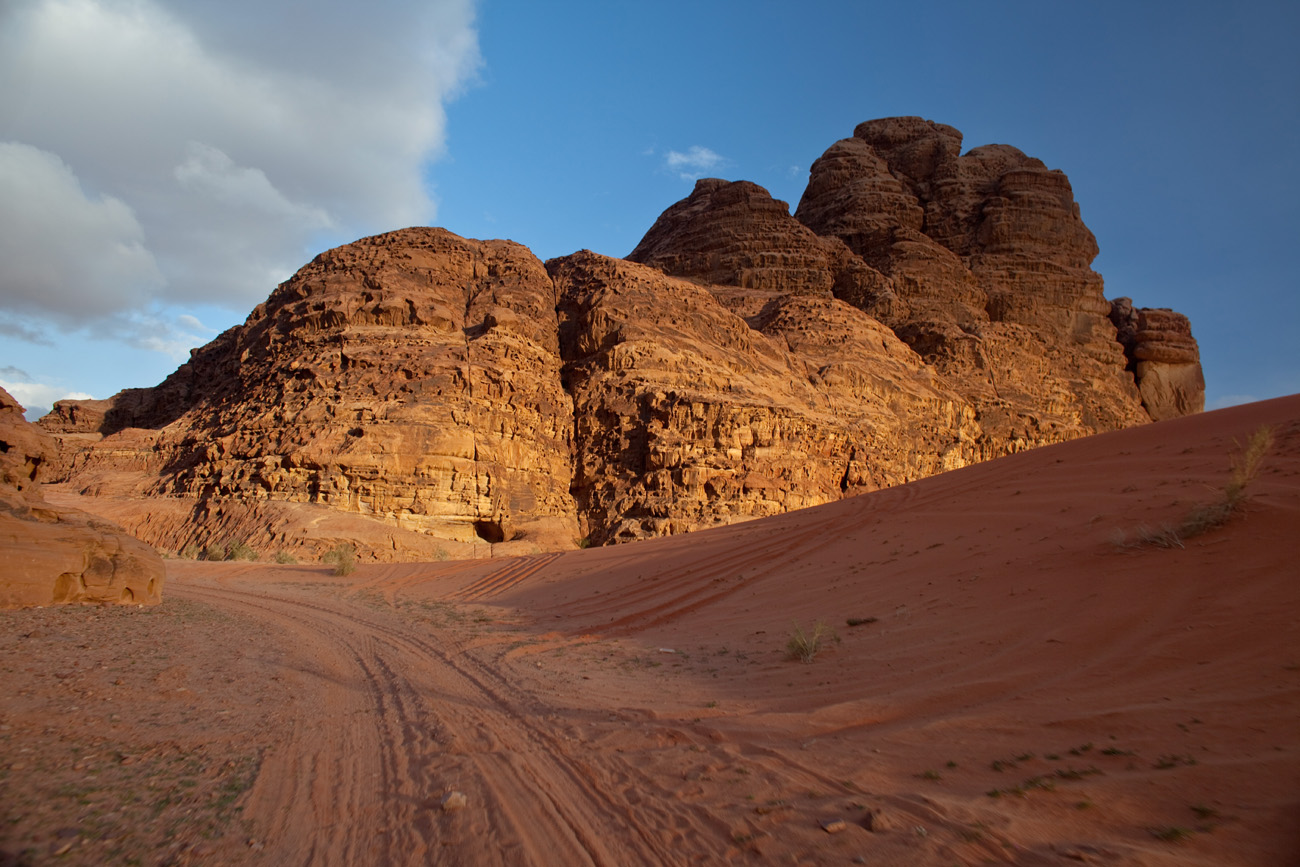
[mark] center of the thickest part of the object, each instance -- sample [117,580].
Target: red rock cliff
[921,310]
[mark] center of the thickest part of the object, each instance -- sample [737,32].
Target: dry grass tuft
[344,558]
[804,646]
[1244,468]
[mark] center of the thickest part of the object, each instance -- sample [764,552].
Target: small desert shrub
[344,558]
[440,554]
[239,551]
[190,552]
[1172,833]
[1244,467]
[804,646]
[1164,536]
[284,558]
[214,551]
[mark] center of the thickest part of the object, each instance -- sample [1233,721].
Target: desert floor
[1007,677]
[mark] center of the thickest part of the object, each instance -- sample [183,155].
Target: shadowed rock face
[922,310]
[55,555]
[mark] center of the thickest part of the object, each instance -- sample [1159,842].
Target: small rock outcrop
[1163,357]
[54,555]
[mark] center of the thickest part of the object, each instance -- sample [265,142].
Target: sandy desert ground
[1007,683]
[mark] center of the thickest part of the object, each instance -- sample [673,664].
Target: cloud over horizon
[36,397]
[695,163]
[154,155]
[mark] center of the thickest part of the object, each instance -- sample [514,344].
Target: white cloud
[157,332]
[192,323]
[696,162]
[66,255]
[209,172]
[14,374]
[36,397]
[201,152]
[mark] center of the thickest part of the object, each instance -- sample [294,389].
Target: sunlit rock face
[55,555]
[921,310]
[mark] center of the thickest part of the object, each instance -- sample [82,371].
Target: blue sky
[144,218]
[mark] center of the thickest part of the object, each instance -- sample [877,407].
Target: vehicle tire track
[348,791]
[500,580]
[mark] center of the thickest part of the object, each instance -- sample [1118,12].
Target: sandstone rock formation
[55,555]
[687,415]
[413,377]
[1163,356]
[428,395]
[979,262]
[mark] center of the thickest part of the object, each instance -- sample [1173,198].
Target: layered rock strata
[979,262]
[1163,357]
[54,555]
[687,415]
[412,377]
[923,309]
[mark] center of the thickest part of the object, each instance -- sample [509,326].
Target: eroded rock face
[989,263]
[687,415]
[1163,356]
[923,309]
[55,555]
[979,262]
[412,377]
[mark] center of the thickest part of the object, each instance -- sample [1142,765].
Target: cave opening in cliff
[489,531]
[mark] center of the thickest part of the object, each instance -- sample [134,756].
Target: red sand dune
[1018,687]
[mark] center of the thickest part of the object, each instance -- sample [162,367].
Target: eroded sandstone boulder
[989,261]
[54,555]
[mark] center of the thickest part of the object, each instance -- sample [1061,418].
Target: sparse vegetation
[804,646]
[344,558]
[1164,763]
[239,551]
[1172,833]
[1244,467]
[284,558]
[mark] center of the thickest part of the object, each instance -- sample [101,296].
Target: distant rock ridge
[54,555]
[920,311]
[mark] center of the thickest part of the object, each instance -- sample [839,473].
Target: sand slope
[1018,687]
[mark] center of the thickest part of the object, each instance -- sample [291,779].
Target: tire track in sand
[389,721]
[500,580]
